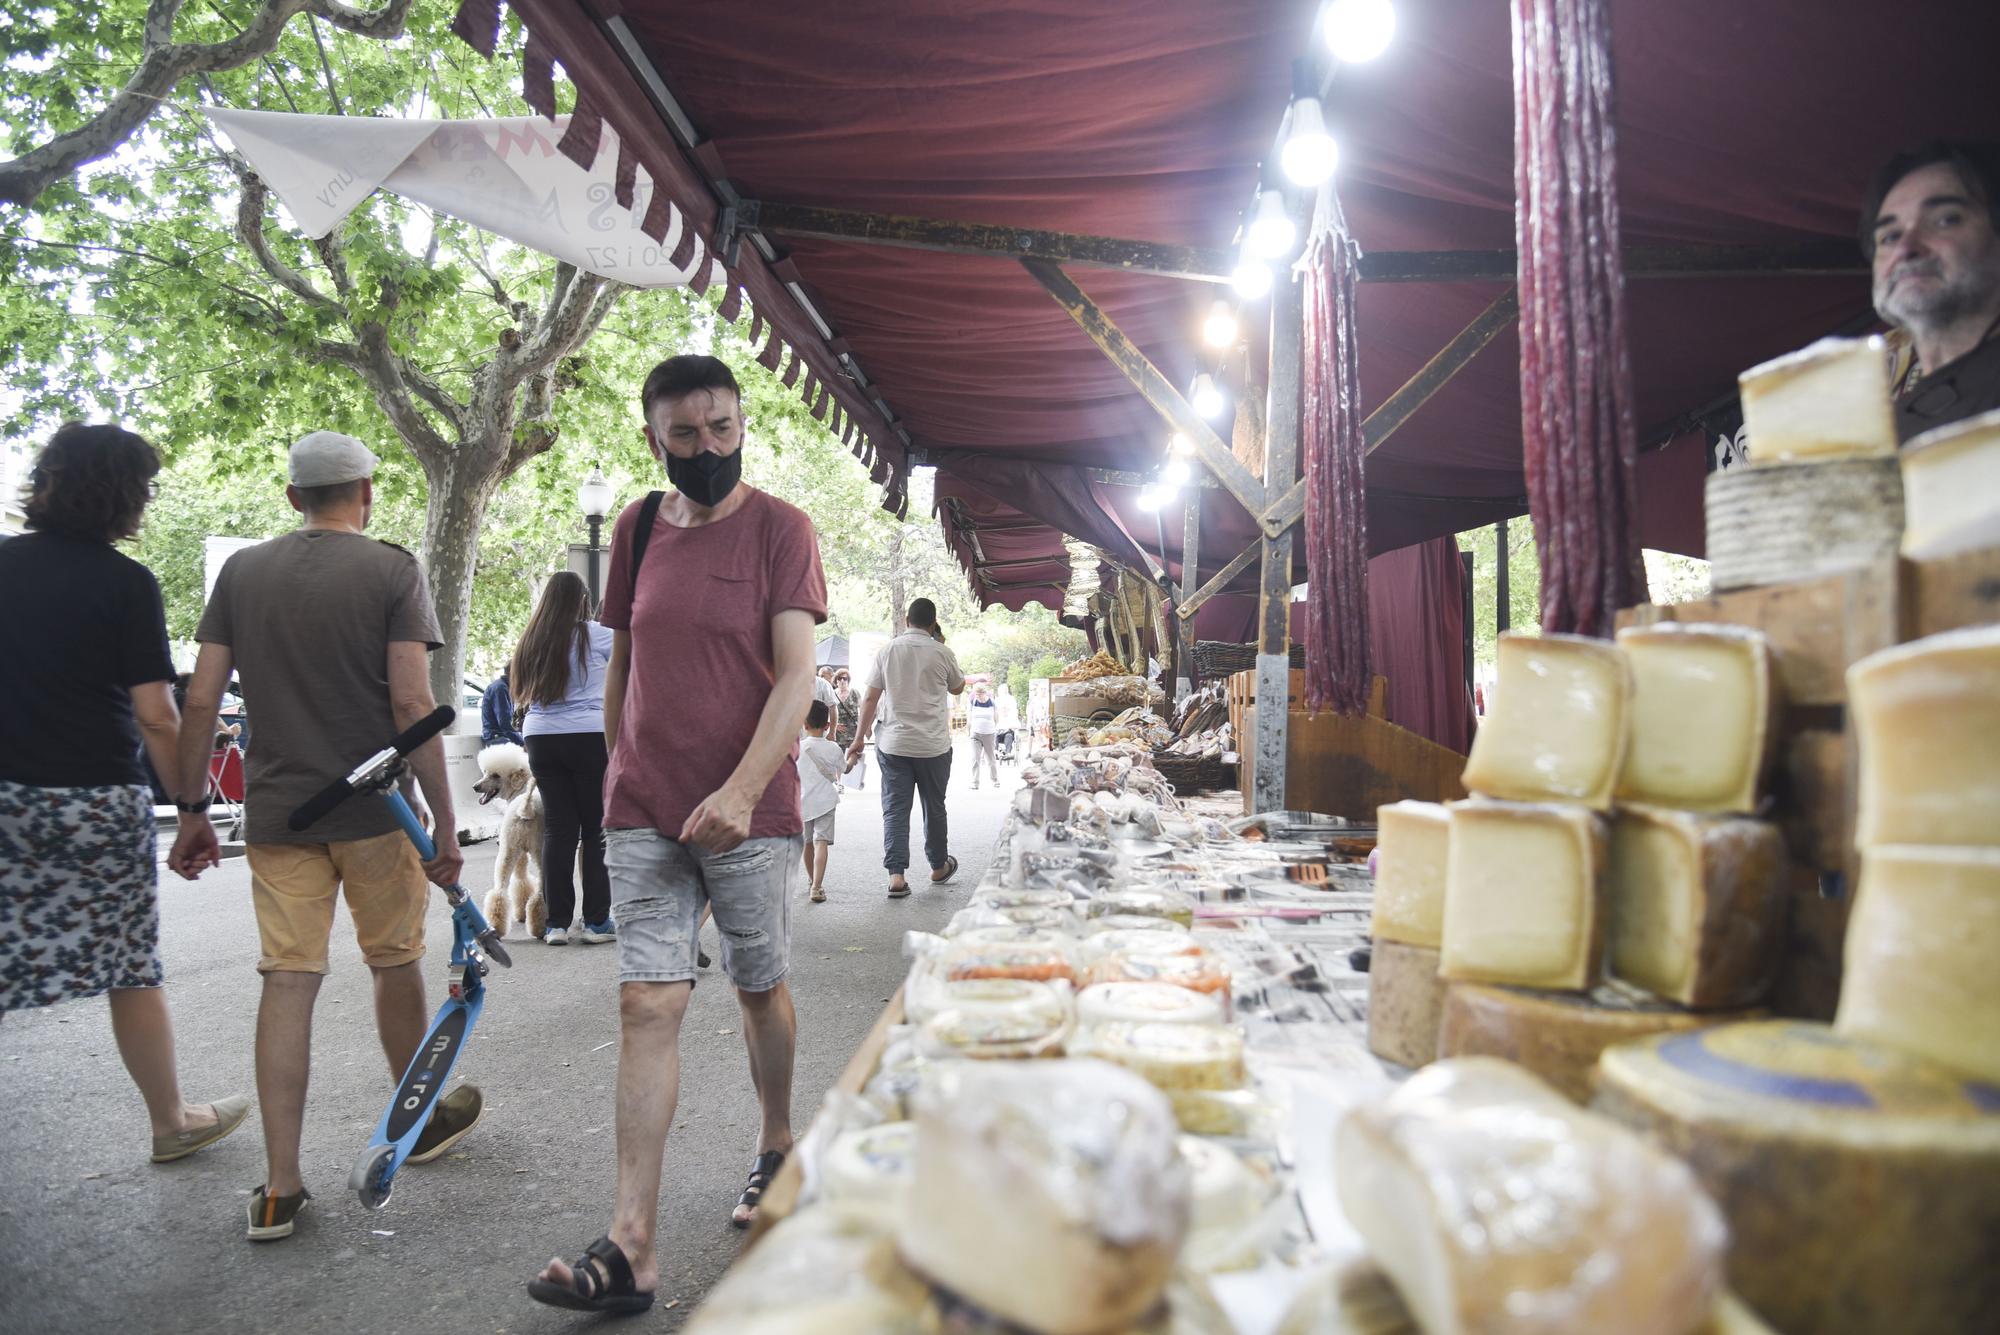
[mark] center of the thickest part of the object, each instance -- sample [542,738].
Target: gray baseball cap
[325,458]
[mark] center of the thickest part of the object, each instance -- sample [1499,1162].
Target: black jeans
[569,769]
[926,775]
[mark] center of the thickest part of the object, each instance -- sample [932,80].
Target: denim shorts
[658,888]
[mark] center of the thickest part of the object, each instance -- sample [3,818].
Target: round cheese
[1405,1000]
[1557,1035]
[1861,1184]
[872,1164]
[1141,1003]
[1926,718]
[1171,1056]
[983,996]
[1791,521]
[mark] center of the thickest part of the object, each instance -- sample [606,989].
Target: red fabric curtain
[1416,616]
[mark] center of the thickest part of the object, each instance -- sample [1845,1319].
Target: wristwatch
[196,808]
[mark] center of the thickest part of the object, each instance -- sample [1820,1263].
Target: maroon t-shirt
[701,666]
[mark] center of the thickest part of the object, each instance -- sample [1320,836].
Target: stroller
[1005,746]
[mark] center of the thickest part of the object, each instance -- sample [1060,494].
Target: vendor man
[1932,228]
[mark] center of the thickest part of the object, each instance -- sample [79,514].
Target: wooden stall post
[1281,454]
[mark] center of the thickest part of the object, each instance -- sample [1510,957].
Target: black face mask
[707,478]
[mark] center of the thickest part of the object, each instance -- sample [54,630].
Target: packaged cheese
[1405,1002]
[871,1164]
[1166,903]
[926,995]
[1142,962]
[975,917]
[1697,905]
[1171,1056]
[1051,1194]
[1095,928]
[1228,1200]
[1826,401]
[1861,1184]
[1409,873]
[1926,716]
[1146,1003]
[1498,1207]
[975,956]
[1524,895]
[1703,714]
[1951,486]
[1557,730]
[1923,955]
[830,1269]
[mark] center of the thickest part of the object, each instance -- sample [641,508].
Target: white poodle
[517,873]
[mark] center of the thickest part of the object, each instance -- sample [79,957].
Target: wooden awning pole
[1281,454]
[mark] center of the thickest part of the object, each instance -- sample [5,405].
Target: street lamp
[594,497]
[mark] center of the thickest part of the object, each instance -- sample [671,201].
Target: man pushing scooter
[330,632]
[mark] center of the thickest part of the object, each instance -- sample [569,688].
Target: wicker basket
[1215,659]
[1194,774]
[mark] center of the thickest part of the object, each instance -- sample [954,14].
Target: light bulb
[1251,278]
[1180,444]
[1309,155]
[1149,499]
[1272,231]
[1205,398]
[1219,330]
[1175,473]
[1359,30]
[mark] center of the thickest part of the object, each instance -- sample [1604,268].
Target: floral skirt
[79,893]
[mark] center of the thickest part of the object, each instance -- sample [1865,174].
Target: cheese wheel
[1557,729]
[1951,485]
[1702,712]
[1862,1184]
[872,1164]
[1405,1000]
[1409,872]
[1697,905]
[994,1033]
[927,997]
[1498,1207]
[1144,1003]
[1927,720]
[1797,521]
[1557,1035]
[1171,1056]
[1923,955]
[1826,401]
[1524,895]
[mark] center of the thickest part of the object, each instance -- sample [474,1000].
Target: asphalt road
[92,1235]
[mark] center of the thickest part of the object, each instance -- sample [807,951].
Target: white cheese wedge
[1927,718]
[1524,895]
[1951,484]
[1409,873]
[1557,729]
[1051,1194]
[1923,955]
[1826,401]
[1498,1207]
[1703,708]
[1697,905]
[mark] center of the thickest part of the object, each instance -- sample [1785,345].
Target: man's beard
[1943,305]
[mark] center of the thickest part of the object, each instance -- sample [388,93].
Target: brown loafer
[229,1114]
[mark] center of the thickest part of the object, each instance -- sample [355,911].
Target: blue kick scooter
[396,1134]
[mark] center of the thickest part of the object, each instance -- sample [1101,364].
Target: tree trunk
[461,486]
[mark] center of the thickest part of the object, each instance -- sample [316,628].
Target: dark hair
[317,499]
[678,377]
[1977,163]
[91,482]
[923,614]
[557,635]
[817,714]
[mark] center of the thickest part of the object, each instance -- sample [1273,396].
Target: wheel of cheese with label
[1792,521]
[1405,1002]
[1557,1035]
[1861,1184]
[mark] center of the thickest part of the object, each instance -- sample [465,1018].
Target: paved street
[92,1235]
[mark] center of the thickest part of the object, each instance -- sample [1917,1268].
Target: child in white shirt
[820,766]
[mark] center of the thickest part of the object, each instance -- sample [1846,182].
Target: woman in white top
[559,674]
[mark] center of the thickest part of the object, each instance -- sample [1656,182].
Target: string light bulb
[1272,232]
[1359,30]
[1251,278]
[1175,473]
[1150,499]
[1310,154]
[1205,398]
[1219,330]
[1179,444]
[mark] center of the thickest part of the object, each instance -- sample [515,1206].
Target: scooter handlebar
[341,789]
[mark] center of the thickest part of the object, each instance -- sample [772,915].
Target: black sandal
[950,869]
[762,1170]
[599,1281]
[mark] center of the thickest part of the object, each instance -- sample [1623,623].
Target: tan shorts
[293,887]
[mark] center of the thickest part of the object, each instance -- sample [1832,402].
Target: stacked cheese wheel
[1607,882]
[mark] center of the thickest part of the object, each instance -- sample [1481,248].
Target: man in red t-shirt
[711,673]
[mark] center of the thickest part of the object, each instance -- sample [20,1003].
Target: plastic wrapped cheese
[994,1034]
[1703,715]
[1557,729]
[975,917]
[1923,955]
[1498,1207]
[1524,895]
[1011,897]
[1146,1003]
[925,995]
[1926,716]
[1171,1056]
[1031,955]
[1829,400]
[1409,872]
[1122,922]
[1951,486]
[1697,905]
[1166,903]
[1142,962]
[828,1270]
[1051,1194]
[1228,1201]
[871,1164]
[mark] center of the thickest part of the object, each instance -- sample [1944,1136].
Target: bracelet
[197,808]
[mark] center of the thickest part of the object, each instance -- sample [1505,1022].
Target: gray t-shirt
[918,676]
[309,618]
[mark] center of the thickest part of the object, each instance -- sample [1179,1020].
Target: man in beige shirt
[918,673]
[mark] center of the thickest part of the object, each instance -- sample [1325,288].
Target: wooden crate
[1242,691]
[1349,766]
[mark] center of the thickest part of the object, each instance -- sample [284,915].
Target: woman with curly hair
[79,893]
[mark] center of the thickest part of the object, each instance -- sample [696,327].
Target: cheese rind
[1923,956]
[1951,484]
[1524,895]
[1927,720]
[1405,1000]
[1697,905]
[1557,731]
[1498,1207]
[1409,874]
[1557,1035]
[1826,401]
[1861,1184]
[1702,714]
